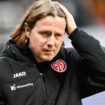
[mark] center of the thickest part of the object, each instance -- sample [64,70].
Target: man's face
[46,38]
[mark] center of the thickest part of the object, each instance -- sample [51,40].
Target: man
[35,68]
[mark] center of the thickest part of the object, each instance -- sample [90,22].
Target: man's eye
[58,35]
[42,33]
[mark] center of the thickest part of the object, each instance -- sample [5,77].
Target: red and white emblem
[59,65]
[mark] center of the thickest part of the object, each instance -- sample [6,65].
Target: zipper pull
[41,74]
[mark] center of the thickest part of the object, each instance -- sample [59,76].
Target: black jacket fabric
[72,75]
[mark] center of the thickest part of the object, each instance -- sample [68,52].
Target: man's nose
[51,41]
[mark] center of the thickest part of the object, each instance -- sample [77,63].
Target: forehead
[52,21]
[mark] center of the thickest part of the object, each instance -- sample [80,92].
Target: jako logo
[20,74]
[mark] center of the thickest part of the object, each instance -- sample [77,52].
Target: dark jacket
[72,75]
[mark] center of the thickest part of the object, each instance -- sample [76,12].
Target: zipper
[43,84]
[44,87]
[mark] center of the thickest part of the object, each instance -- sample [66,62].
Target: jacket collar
[13,51]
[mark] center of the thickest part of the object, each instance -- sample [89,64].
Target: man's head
[43,25]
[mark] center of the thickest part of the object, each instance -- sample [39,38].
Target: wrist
[73,33]
[72,30]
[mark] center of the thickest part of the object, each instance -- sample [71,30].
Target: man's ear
[27,29]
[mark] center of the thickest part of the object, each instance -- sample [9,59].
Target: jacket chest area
[30,84]
[26,84]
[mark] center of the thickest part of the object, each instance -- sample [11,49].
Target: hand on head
[71,25]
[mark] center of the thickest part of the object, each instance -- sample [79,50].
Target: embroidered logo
[59,66]
[20,74]
[15,87]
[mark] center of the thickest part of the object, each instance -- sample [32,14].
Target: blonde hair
[35,12]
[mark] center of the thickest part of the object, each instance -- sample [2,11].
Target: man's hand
[71,25]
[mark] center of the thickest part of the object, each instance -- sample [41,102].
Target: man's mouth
[48,51]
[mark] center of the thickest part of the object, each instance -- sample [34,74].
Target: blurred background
[89,16]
